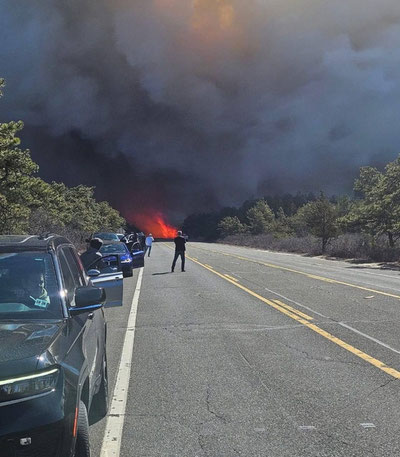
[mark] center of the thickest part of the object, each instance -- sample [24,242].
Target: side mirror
[93,273]
[88,299]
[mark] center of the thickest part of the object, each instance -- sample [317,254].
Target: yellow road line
[362,355]
[294,310]
[309,275]
[228,276]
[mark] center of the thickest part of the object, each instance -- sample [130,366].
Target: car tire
[101,400]
[82,445]
[128,273]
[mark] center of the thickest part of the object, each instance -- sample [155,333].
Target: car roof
[31,242]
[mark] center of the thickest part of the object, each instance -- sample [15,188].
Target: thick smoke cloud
[187,104]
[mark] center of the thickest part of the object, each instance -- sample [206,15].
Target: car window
[74,266]
[106,236]
[70,283]
[28,286]
[113,249]
[81,268]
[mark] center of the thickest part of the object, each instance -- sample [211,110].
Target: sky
[183,106]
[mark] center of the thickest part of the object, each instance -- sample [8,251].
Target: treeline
[30,205]
[366,226]
[205,226]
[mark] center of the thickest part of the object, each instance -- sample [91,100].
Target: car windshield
[28,286]
[106,236]
[113,249]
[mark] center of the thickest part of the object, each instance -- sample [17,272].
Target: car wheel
[100,402]
[128,273]
[82,446]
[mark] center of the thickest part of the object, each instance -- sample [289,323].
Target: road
[253,353]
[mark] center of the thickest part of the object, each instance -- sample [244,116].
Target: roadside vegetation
[30,205]
[365,227]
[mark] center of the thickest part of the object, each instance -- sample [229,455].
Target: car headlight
[29,385]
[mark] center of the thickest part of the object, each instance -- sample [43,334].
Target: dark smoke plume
[184,105]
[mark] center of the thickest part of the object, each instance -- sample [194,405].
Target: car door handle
[90,315]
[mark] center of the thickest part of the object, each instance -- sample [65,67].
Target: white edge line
[297,303]
[115,422]
[369,337]
[342,324]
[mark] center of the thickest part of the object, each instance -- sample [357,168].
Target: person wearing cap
[180,249]
[91,256]
[148,243]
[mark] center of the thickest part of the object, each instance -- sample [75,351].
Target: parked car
[117,254]
[53,363]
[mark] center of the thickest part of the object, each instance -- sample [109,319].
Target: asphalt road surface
[252,353]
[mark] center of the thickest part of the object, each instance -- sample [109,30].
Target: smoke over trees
[205,102]
[30,205]
[366,227]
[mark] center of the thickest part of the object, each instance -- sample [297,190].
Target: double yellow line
[303,273]
[304,319]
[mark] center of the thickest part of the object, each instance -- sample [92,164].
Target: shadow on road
[164,273]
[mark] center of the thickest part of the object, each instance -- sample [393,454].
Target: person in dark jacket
[180,249]
[92,256]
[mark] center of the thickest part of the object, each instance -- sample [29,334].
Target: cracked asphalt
[216,372]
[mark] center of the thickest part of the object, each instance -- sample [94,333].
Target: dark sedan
[53,365]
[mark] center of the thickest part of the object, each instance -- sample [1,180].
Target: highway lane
[254,353]
[117,319]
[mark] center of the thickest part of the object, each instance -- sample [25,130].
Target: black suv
[53,366]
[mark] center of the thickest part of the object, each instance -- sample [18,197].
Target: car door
[111,281]
[137,254]
[98,319]
[86,320]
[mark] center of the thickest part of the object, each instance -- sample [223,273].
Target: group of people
[180,248]
[92,255]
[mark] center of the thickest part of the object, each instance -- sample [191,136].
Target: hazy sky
[188,104]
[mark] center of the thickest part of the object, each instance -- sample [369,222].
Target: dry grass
[347,246]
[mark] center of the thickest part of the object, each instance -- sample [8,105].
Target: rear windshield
[28,286]
[107,236]
[113,249]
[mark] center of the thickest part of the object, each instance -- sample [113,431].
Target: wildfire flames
[154,224]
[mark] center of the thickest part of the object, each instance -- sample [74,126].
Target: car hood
[23,340]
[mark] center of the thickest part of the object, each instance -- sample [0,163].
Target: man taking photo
[180,249]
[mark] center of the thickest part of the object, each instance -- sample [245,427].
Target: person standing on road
[149,243]
[180,249]
[91,256]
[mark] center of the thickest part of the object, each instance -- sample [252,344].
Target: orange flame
[154,224]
